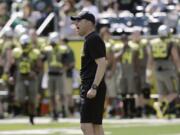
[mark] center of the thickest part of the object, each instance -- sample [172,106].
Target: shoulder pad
[17,52]
[111,41]
[34,54]
[41,42]
[1,41]
[36,51]
[144,42]
[155,41]
[48,48]
[63,48]
[133,45]
[117,46]
[108,45]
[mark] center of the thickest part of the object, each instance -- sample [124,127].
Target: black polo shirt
[93,48]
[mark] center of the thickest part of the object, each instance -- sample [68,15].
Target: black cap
[84,15]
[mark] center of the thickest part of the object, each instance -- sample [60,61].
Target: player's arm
[113,63]
[175,57]
[136,61]
[150,61]
[119,54]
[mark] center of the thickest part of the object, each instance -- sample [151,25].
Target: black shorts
[91,110]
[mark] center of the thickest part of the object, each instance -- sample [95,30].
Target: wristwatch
[94,86]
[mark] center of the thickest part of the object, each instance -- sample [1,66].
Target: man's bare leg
[98,130]
[87,128]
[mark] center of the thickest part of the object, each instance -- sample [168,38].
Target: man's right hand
[91,93]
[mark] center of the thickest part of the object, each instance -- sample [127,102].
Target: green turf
[144,130]
[4,127]
[112,129]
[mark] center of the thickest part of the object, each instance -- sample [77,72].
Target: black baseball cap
[84,15]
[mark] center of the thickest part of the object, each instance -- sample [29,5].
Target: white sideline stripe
[47,120]
[5,93]
[170,134]
[64,131]
[42,132]
[142,121]
[138,125]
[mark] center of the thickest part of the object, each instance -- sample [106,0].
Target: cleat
[31,119]
[55,116]
[157,108]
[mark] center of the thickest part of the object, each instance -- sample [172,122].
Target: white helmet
[54,37]
[8,32]
[25,39]
[20,29]
[163,31]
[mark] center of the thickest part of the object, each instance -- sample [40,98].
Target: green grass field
[112,127]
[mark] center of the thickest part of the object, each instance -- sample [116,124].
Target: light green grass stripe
[37,126]
[114,129]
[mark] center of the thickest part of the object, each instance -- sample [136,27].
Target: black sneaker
[55,116]
[31,119]
[1,116]
[178,112]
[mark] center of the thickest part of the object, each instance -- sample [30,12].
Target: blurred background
[40,54]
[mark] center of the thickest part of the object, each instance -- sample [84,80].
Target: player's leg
[131,92]
[61,87]
[32,93]
[111,97]
[161,92]
[172,88]
[69,90]
[53,103]
[20,95]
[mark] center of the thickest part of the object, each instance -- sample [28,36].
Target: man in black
[93,65]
